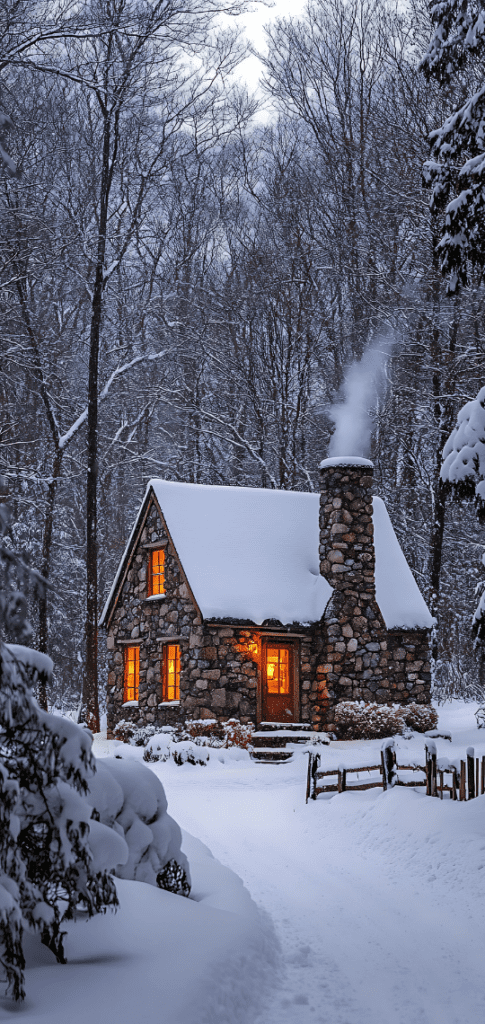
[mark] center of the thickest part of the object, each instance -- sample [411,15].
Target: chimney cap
[346,460]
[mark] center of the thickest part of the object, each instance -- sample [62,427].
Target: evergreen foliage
[456,170]
[46,871]
[463,472]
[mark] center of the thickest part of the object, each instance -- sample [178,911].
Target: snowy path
[377,899]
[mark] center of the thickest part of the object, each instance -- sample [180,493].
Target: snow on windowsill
[169,703]
[130,704]
[156,597]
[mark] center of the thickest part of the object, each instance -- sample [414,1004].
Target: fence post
[482,780]
[315,761]
[311,755]
[388,762]
[341,779]
[470,763]
[462,780]
[454,785]
[431,787]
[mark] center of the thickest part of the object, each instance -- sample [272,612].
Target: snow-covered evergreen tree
[456,169]
[463,470]
[47,868]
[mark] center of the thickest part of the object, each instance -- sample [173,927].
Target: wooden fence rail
[437,774]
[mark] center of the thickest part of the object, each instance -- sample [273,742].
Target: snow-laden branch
[120,370]
[464,452]
[238,441]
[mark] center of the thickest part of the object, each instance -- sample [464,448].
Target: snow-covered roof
[397,593]
[248,553]
[251,554]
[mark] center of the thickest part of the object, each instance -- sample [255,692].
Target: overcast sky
[254,27]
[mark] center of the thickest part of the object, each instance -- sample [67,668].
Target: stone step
[271,755]
[279,739]
[286,726]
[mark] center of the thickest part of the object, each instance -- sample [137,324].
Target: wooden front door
[278,681]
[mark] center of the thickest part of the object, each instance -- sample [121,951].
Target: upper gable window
[156,572]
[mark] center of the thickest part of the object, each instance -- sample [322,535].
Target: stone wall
[219,664]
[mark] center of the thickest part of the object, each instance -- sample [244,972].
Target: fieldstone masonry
[364,660]
[219,664]
[349,655]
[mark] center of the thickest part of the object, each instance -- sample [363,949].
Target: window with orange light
[278,669]
[171,672]
[132,673]
[156,572]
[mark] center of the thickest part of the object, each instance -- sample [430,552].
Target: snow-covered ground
[378,901]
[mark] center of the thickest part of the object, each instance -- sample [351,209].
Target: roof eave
[117,586]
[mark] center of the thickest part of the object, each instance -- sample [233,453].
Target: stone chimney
[347,557]
[356,631]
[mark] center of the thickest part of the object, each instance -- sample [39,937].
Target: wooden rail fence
[437,774]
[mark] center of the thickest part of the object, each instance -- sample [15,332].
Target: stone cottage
[262,604]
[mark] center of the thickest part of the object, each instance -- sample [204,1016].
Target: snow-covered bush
[138,736]
[158,747]
[238,734]
[420,717]
[480,717]
[356,720]
[130,799]
[189,752]
[204,731]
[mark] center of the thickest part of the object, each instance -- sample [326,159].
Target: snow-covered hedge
[181,742]
[128,798]
[355,720]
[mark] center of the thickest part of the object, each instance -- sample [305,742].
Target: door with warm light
[278,682]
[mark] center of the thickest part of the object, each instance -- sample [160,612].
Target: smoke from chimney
[364,382]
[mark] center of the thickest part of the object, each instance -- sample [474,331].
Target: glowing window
[171,672]
[156,572]
[132,673]
[278,669]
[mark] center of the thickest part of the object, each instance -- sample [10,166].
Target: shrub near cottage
[206,732]
[184,743]
[355,720]
[238,734]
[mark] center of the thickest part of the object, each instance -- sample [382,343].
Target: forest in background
[185,284]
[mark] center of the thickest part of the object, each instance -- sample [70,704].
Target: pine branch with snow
[463,467]
[47,867]
[463,471]
[455,171]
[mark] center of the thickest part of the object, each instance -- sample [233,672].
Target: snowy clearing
[377,900]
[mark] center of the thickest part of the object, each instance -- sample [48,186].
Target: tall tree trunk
[90,704]
[46,567]
[444,416]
